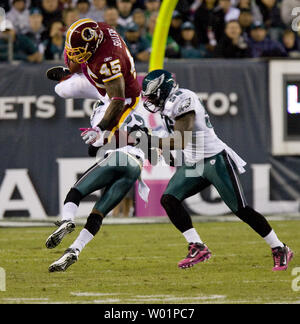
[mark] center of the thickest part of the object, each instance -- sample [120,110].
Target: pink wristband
[118,98]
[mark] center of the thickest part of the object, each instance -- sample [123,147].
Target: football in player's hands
[138,129]
[58,73]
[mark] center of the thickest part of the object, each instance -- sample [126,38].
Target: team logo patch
[88,34]
[213,162]
[185,105]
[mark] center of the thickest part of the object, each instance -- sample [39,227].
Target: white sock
[273,240]
[82,240]
[192,236]
[69,211]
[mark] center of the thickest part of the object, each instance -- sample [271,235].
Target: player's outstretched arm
[183,127]
[116,91]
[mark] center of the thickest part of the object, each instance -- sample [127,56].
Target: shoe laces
[277,255]
[193,247]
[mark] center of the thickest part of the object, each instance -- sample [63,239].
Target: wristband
[118,98]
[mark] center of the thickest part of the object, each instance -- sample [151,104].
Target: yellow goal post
[160,35]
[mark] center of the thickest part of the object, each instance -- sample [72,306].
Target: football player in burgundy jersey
[99,52]
[99,67]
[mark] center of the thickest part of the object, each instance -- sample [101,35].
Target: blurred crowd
[199,28]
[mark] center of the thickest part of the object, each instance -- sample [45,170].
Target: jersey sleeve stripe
[112,77]
[123,118]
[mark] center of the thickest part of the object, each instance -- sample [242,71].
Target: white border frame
[277,69]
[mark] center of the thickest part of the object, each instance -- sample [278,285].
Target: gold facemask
[78,55]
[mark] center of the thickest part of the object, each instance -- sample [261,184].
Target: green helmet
[157,87]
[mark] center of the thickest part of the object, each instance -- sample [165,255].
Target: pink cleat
[282,256]
[198,252]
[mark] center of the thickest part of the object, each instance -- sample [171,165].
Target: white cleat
[64,227]
[62,264]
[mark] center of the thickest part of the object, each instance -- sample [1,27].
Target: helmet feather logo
[153,85]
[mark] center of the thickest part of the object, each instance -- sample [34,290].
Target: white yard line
[264,281]
[25,299]
[92,294]
[107,301]
[25,222]
[212,299]
[174,298]
[145,298]
[153,296]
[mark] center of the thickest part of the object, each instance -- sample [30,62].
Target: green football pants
[218,171]
[115,174]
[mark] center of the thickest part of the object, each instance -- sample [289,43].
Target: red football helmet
[82,40]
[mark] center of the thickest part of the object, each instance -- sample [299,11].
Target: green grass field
[138,264]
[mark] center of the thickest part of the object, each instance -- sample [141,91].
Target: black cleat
[57,73]
[69,257]
[64,227]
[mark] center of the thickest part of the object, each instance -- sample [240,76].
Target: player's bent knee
[164,200]
[73,196]
[168,200]
[59,89]
[93,223]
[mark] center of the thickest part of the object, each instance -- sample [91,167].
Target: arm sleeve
[184,106]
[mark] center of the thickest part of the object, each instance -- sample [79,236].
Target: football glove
[147,142]
[92,136]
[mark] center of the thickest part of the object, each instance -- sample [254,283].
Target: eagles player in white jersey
[206,162]
[117,170]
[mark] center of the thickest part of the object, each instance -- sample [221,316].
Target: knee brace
[93,223]
[73,196]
